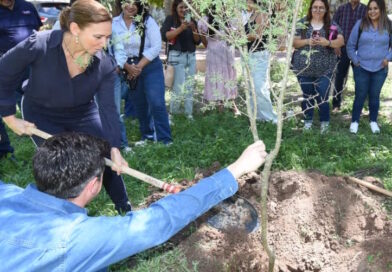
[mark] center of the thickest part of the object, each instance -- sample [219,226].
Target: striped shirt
[346,17]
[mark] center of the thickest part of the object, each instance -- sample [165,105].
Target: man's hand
[250,160]
[118,160]
[385,63]
[19,126]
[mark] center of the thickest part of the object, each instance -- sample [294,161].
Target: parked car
[49,10]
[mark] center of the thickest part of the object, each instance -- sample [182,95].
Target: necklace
[83,63]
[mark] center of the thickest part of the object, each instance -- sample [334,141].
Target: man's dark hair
[64,164]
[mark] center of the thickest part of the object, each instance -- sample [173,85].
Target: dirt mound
[316,223]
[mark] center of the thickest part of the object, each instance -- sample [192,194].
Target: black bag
[132,83]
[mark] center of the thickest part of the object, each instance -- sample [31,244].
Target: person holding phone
[314,60]
[180,31]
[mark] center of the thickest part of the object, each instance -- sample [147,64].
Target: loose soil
[316,223]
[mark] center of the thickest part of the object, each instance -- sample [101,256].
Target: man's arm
[99,242]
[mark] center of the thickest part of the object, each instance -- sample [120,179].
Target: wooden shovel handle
[170,188]
[370,186]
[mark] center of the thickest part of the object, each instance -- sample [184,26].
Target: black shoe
[124,208]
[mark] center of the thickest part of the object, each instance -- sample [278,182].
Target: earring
[77,39]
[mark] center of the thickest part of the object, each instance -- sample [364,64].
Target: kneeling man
[45,227]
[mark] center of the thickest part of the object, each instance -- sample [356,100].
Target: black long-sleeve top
[184,41]
[50,84]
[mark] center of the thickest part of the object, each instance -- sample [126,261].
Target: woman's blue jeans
[121,90]
[367,84]
[259,65]
[149,101]
[315,93]
[184,64]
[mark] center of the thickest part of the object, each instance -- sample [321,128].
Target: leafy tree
[280,19]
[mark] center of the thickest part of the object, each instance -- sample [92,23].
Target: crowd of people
[325,47]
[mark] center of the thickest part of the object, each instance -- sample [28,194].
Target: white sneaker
[374,127]
[324,127]
[127,150]
[171,122]
[141,143]
[354,127]
[308,125]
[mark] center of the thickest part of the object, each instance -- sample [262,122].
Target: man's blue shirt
[17,24]
[40,232]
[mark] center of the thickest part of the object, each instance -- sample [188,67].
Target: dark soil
[316,223]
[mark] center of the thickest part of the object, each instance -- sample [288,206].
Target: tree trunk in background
[167,4]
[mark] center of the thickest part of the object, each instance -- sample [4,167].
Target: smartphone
[187,17]
[316,34]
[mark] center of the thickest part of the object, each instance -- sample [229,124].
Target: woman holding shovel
[68,69]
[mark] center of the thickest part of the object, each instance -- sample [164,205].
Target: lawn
[215,136]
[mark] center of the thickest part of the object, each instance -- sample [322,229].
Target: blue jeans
[121,90]
[184,70]
[259,66]
[367,84]
[340,78]
[5,145]
[315,89]
[150,105]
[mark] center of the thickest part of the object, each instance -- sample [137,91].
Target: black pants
[5,146]
[340,78]
[78,119]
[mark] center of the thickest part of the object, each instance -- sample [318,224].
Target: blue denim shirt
[126,41]
[373,48]
[40,232]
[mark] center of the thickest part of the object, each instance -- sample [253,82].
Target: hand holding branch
[250,160]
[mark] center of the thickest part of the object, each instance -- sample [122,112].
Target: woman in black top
[180,31]
[68,68]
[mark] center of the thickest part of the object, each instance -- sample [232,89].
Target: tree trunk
[167,4]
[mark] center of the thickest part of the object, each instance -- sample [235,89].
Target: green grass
[214,136]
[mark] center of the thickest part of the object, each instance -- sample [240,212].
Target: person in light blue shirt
[45,227]
[369,48]
[136,36]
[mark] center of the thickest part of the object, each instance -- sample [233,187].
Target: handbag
[132,83]
[168,71]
